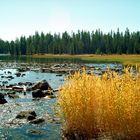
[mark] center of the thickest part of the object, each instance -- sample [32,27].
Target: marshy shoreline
[37,114]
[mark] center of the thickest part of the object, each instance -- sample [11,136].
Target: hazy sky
[24,17]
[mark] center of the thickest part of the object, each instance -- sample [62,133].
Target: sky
[24,17]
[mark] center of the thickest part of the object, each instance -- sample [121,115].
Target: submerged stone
[35,132]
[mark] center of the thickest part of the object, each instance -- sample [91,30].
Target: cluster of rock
[30,116]
[39,89]
[62,68]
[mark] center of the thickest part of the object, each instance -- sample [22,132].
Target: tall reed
[106,106]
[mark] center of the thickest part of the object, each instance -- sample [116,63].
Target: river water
[45,108]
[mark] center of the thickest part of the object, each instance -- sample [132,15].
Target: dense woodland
[82,42]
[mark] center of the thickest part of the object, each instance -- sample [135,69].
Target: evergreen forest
[81,42]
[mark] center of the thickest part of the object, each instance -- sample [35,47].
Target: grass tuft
[106,106]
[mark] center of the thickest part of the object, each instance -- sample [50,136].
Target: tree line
[82,42]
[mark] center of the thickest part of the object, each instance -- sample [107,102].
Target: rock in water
[38,93]
[2,99]
[29,115]
[42,85]
[35,132]
[18,74]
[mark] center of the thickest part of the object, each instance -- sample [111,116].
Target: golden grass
[124,59]
[102,106]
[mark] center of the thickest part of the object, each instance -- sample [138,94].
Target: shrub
[106,106]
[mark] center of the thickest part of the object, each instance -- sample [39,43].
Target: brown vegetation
[106,106]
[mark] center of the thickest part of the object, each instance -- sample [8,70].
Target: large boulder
[2,99]
[38,93]
[42,85]
[29,115]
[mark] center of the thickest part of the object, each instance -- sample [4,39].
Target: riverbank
[124,59]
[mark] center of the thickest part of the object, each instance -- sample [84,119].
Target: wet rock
[18,74]
[59,75]
[35,132]
[2,99]
[38,93]
[45,70]
[57,65]
[9,86]
[20,83]
[42,85]
[28,84]
[4,82]
[37,121]
[29,115]
[9,72]
[10,77]
[23,69]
